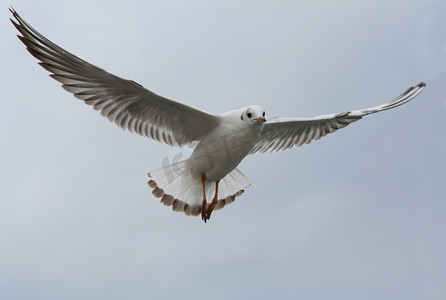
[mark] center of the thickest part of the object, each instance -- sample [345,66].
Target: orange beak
[261,119]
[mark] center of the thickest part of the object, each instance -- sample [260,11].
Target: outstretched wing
[282,134]
[122,101]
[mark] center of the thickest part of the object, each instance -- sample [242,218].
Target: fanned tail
[179,187]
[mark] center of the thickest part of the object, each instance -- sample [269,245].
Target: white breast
[223,149]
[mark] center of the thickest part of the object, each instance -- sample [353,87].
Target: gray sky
[359,214]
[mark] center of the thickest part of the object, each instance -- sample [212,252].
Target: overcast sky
[359,214]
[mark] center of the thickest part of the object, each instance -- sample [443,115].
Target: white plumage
[176,186]
[220,142]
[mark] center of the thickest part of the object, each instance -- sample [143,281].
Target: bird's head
[253,115]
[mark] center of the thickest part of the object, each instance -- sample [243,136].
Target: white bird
[220,142]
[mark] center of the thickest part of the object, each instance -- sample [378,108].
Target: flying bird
[219,141]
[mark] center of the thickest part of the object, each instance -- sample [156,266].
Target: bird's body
[220,142]
[223,148]
[214,159]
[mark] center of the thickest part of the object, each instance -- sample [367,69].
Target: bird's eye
[249,115]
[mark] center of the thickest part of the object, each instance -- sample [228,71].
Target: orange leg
[211,206]
[203,206]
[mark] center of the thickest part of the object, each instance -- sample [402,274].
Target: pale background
[360,214]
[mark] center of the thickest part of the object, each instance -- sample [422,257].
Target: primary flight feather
[220,141]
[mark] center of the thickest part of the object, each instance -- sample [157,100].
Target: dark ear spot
[241,117]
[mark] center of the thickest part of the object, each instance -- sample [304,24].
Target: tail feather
[177,186]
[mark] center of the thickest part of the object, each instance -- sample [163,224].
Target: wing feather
[282,134]
[122,101]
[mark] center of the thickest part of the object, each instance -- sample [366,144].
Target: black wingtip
[15,15]
[420,86]
[12,10]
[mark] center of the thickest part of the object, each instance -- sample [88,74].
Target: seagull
[219,141]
